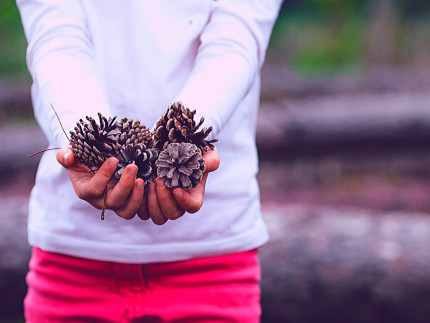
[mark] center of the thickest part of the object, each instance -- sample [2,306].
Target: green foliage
[310,36]
[335,7]
[331,49]
[329,36]
[12,40]
[319,45]
[324,9]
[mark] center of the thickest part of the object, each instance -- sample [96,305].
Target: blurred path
[345,265]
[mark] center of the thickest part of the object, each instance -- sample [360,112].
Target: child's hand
[162,204]
[125,198]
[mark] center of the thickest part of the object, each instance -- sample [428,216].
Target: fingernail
[151,188]
[159,182]
[112,162]
[139,185]
[66,157]
[132,171]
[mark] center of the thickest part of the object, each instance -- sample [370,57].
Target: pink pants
[70,289]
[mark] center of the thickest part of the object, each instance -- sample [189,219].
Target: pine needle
[60,122]
[41,151]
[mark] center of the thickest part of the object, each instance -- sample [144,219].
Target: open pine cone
[177,125]
[140,156]
[182,165]
[93,143]
[133,133]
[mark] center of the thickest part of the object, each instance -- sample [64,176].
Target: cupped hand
[125,198]
[162,204]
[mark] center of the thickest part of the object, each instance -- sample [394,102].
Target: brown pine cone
[143,158]
[177,125]
[182,165]
[93,143]
[133,133]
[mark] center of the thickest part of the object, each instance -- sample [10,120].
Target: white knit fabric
[131,59]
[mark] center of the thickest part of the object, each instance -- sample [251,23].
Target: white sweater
[131,59]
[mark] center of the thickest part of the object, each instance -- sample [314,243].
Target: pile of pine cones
[173,150]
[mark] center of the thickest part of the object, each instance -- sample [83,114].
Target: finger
[65,156]
[87,186]
[135,200]
[192,200]
[168,205]
[212,159]
[118,196]
[154,207]
[143,212]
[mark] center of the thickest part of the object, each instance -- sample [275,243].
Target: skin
[127,197]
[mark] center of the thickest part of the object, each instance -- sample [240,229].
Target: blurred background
[343,137]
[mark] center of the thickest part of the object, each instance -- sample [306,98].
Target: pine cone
[93,143]
[133,133]
[182,165]
[177,125]
[140,156]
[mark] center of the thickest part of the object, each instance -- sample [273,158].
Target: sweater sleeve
[230,56]
[60,60]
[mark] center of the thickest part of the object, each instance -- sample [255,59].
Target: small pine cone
[133,133]
[182,165]
[140,156]
[177,125]
[93,143]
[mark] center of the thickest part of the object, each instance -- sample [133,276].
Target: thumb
[65,156]
[212,159]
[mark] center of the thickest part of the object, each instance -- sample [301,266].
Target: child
[131,59]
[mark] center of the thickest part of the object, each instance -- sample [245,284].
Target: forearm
[60,60]
[230,56]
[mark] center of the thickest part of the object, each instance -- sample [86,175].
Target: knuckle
[130,216]
[195,207]
[143,211]
[158,221]
[125,215]
[143,215]
[174,215]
